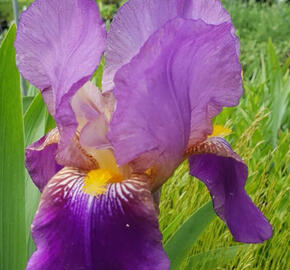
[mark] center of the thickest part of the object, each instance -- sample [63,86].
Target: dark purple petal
[115,231]
[225,174]
[58,47]
[40,159]
[137,20]
[166,96]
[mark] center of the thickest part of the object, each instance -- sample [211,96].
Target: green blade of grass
[172,226]
[211,259]
[12,185]
[50,124]
[180,243]
[35,120]
[280,90]
[26,101]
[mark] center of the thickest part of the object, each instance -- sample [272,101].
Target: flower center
[96,181]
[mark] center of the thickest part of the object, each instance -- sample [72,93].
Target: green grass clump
[256,23]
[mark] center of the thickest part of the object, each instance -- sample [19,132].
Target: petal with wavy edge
[58,46]
[43,160]
[115,231]
[40,159]
[166,96]
[225,174]
[137,20]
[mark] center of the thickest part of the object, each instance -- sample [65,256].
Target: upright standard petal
[40,159]
[224,173]
[166,96]
[137,20]
[58,46]
[115,231]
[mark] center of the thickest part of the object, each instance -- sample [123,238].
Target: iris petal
[114,231]
[58,46]
[169,92]
[43,160]
[137,20]
[93,110]
[225,174]
[40,159]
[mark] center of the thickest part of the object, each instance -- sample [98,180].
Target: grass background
[260,136]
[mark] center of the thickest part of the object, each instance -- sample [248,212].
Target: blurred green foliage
[256,23]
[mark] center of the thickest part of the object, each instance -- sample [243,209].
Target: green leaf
[172,226]
[98,75]
[286,65]
[32,90]
[273,59]
[211,259]
[35,120]
[50,124]
[12,185]
[180,243]
[280,92]
[26,101]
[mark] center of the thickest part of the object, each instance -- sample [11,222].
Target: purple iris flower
[171,66]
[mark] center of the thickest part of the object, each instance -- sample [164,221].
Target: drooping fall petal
[166,96]
[137,20]
[225,174]
[40,159]
[117,230]
[43,160]
[58,47]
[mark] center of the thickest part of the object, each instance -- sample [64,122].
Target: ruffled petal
[225,174]
[115,231]
[40,159]
[43,160]
[166,96]
[58,47]
[137,20]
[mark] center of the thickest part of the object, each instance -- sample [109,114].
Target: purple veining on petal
[40,159]
[137,20]
[43,160]
[115,231]
[225,175]
[166,96]
[59,53]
